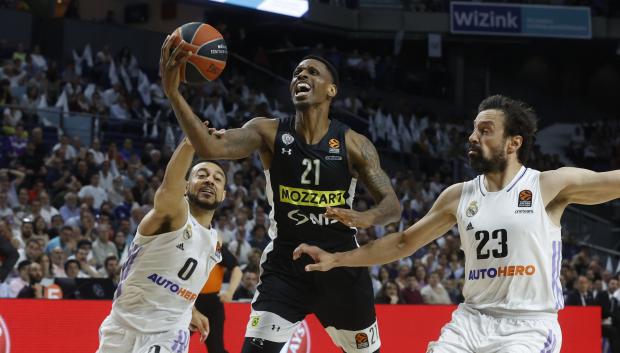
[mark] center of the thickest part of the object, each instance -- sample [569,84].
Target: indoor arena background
[80,96]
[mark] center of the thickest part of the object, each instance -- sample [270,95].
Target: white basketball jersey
[162,277]
[513,251]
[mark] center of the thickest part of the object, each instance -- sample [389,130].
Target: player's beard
[205,205]
[496,163]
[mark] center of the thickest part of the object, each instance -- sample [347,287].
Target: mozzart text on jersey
[502,271]
[308,197]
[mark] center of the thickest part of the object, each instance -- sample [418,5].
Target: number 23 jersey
[162,277]
[513,251]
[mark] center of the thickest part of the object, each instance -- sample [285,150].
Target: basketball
[209,52]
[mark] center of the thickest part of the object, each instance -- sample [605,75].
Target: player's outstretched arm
[394,246]
[231,144]
[581,186]
[365,160]
[169,203]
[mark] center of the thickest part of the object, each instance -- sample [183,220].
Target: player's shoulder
[262,122]
[453,192]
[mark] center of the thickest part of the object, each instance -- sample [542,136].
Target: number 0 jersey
[162,277]
[513,251]
[302,181]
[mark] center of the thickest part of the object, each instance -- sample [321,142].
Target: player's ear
[514,143]
[332,90]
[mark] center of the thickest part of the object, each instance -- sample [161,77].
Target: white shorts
[470,331]
[114,338]
[272,327]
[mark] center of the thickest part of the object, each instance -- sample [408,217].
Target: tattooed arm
[365,161]
[232,144]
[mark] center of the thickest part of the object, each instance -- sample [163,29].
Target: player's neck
[312,123]
[497,181]
[203,217]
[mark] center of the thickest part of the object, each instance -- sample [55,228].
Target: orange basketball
[209,52]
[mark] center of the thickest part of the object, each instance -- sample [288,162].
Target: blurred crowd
[69,210]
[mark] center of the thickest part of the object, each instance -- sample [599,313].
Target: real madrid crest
[287,139]
[472,209]
[187,233]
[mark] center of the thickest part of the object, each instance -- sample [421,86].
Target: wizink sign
[520,20]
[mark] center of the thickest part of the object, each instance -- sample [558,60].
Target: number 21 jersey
[513,251]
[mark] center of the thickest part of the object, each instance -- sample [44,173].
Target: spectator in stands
[103,247]
[25,231]
[411,293]
[247,288]
[5,209]
[120,245]
[72,269]
[34,289]
[582,294]
[434,292]
[48,270]
[224,228]
[110,269]
[58,258]
[259,237]
[64,145]
[240,247]
[70,208]
[389,294]
[98,193]
[86,270]
[32,251]
[401,277]
[16,284]
[611,314]
[65,241]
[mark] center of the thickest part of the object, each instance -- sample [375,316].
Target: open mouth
[302,89]
[207,191]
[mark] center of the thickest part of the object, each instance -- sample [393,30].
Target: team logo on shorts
[287,139]
[361,340]
[472,209]
[254,320]
[525,198]
[187,233]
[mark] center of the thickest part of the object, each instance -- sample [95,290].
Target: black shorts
[342,299]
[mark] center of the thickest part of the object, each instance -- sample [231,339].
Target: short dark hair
[519,120]
[331,68]
[66,228]
[83,242]
[210,161]
[22,264]
[108,259]
[72,261]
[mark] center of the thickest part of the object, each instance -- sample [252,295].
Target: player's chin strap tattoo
[259,345]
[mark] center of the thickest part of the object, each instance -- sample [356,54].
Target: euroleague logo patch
[361,340]
[5,338]
[334,146]
[525,198]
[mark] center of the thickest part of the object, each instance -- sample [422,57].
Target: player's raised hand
[172,56]
[199,323]
[348,217]
[323,261]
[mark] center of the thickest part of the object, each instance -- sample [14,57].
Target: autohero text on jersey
[172,287]
[308,197]
[502,271]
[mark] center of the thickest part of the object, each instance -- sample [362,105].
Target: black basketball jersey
[302,181]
